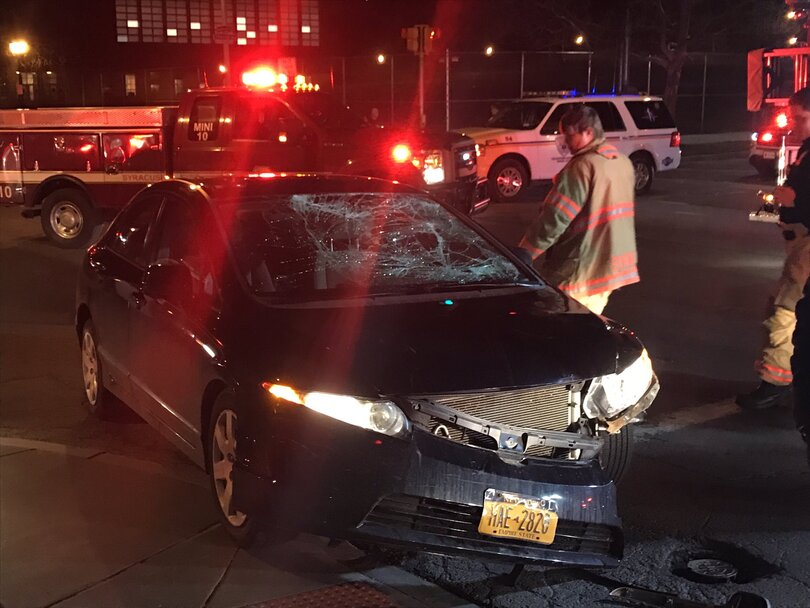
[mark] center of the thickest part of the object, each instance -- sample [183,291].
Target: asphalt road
[708,480]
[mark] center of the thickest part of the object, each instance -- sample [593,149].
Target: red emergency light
[766,137]
[401,153]
[781,120]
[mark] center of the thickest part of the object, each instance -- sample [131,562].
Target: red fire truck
[773,76]
[76,167]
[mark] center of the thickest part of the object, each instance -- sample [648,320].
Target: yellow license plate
[508,515]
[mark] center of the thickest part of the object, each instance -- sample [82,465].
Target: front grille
[454,520]
[539,408]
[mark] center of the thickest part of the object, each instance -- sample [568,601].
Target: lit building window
[241,41]
[246,20]
[126,21]
[267,29]
[309,23]
[176,21]
[199,11]
[130,85]
[251,34]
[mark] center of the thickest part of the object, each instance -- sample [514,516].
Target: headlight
[610,395]
[432,169]
[379,415]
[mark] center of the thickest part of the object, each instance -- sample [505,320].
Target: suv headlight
[432,168]
[380,416]
[609,396]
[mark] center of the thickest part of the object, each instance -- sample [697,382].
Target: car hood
[421,345]
[482,134]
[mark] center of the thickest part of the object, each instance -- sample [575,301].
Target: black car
[349,357]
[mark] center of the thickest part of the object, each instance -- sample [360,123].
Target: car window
[360,243]
[61,152]
[651,114]
[520,115]
[607,111]
[268,120]
[183,237]
[133,151]
[128,234]
[609,115]
[203,123]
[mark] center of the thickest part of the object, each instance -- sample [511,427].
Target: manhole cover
[714,569]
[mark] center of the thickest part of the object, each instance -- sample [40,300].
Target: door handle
[138,299]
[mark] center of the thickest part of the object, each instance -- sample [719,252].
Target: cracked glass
[361,244]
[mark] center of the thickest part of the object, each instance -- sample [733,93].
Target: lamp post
[19,49]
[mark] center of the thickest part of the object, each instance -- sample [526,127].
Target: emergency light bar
[264,77]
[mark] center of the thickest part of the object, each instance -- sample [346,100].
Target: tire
[616,453]
[220,453]
[99,400]
[644,171]
[508,177]
[68,218]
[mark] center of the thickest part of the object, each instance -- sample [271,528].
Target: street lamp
[380,58]
[792,40]
[579,40]
[19,48]
[489,50]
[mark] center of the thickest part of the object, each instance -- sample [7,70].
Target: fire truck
[74,168]
[773,76]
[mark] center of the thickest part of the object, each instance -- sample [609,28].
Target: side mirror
[169,281]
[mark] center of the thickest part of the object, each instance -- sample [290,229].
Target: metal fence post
[343,76]
[392,89]
[523,71]
[703,93]
[590,61]
[649,68]
[446,89]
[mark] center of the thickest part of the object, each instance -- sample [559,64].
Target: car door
[615,129]
[174,349]
[115,269]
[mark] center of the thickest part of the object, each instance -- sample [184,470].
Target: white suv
[521,142]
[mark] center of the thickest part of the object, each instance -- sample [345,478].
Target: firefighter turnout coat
[585,228]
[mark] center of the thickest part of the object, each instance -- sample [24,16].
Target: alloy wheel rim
[223,454]
[66,220]
[509,181]
[90,368]
[642,174]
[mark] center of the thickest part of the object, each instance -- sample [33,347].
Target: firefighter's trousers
[773,366]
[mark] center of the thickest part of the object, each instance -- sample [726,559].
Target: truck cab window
[269,121]
[203,123]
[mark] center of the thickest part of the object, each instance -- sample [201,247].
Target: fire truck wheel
[68,218]
[644,170]
[616,453]
[507,178]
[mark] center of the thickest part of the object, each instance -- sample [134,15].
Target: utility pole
[226,53]
[420,40]
[626,58]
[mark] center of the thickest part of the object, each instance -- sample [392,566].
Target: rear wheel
[507,179]
[99,399]
[68,218]
[644,172]
[617,452]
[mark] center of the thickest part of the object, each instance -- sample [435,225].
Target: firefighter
[773,365]
[585,228]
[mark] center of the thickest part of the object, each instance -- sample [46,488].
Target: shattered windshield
[520,115]
[361,244]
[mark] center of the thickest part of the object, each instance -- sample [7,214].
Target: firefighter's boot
[764,396]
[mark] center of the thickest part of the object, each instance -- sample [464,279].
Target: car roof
[587,98]
[275,184]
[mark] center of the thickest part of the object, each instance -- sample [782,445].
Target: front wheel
[507,179]
[617,452]
[221,456]
[68,218]
[644,172]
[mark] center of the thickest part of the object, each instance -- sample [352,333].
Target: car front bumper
[469,195]
[300,470]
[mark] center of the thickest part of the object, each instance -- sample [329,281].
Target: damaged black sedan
[349,357]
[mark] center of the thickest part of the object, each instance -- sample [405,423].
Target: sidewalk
[83,528]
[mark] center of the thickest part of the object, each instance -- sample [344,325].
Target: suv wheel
[644,171]
[507,179]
